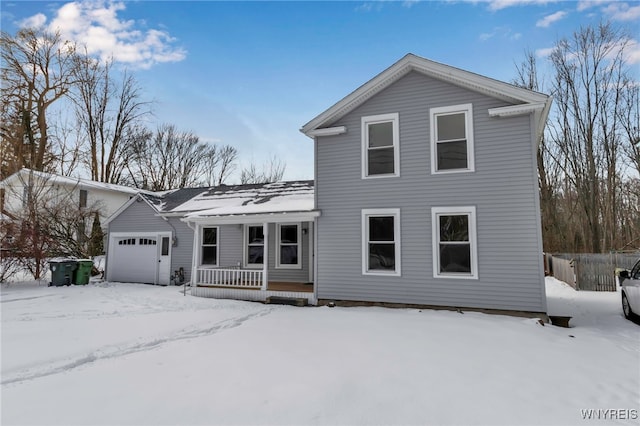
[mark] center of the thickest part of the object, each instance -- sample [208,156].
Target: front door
[164,260]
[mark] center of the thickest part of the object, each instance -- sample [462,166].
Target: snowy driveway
[133,354]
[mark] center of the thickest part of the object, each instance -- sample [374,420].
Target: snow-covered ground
[125,354]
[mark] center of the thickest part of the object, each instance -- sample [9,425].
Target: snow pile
[134,354]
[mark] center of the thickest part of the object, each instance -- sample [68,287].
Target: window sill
[452,171]
[456,276]
[382,273]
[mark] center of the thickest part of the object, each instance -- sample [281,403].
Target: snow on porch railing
[230,277]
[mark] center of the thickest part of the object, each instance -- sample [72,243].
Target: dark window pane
[381,134]
[210,236]
[289,233]
[455,258]
[382,257]
[452,155]
[256,236]
[451,126]
[380,161]
[165,246]
[256,254]
[209,255]
[83,198]
[454,228]
[288,255]
[381,228]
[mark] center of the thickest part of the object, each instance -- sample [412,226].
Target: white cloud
[35,21]
[503,4]
[409,3]
[97,26]
[550,19]
[622,11]
[587,4]
[501,32]
[544,52]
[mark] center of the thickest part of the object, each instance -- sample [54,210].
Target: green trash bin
[62,271]
[83,273]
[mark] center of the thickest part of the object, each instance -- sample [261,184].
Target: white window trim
[298,244]
[217,245]
[245,254]
[366,213]
[467,109]
[374,119]
[473,240]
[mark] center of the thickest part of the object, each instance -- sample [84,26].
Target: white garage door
[134,260]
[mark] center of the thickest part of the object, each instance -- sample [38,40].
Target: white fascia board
[280,217]
[514,110]
[327,131]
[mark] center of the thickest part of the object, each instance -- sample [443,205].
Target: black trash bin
[62,271]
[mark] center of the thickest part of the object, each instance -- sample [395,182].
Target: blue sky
[250,74]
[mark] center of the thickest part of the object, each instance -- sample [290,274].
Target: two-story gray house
[425,193]
[426,181]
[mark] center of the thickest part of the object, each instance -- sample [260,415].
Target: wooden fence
[586,271]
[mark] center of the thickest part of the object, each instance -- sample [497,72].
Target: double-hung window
[254,251]
[454,242]
[381,241]
[380,142]
[452,139]
[209,250]
[288,246]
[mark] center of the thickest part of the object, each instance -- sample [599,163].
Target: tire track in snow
[116,351]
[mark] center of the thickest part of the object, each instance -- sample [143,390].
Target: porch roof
[252,203]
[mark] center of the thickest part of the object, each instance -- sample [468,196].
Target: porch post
[195,255]
[265,257]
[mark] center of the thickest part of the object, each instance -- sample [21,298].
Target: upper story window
[452,139]
[380,146]
[209,250]
[381,241]
[83,198]
[454,242]
[288,246]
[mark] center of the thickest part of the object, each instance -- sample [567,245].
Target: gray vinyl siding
[140,217]
[231,252]
[503,189]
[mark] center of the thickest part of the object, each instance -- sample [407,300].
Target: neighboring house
[426,180]
[47,189]
[242,241]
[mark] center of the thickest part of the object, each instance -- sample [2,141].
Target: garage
[133,258]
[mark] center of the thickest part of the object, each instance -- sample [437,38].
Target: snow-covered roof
[234,200]
[71,181]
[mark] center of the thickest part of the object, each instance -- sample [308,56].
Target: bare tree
[108,113]
[45,223]
[219,164]
[583,174]
[170,158]
[36,72]
[272,171]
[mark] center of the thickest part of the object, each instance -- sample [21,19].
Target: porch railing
[230,277]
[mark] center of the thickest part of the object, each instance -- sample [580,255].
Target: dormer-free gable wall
[502,188]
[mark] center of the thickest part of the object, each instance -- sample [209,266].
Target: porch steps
[291,301]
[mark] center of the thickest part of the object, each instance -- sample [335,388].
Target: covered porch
[237,284]
[250,258]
